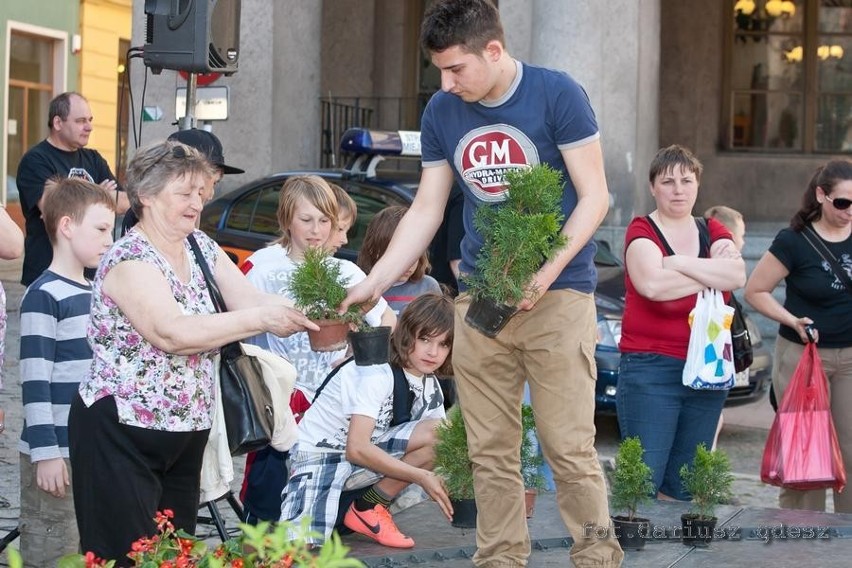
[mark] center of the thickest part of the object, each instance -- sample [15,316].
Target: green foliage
[282,545]
[531,460]
[14,558]
[519,235]
[318,288]
[708,480]
[631,479]
[452,462]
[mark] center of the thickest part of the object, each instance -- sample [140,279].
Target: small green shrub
[531,460]
[318,288]
[631,480]
[519,235]
[452,462]
[708,479]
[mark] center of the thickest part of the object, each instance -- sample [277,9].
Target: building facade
[48,47]
[721,77]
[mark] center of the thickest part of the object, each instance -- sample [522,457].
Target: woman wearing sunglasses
[814,257]
[138,428]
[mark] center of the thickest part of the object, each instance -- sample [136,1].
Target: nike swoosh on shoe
[375,529]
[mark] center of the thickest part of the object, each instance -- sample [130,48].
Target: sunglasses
[178,152]
[839,203]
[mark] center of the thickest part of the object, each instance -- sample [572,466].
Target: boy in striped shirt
[55,356]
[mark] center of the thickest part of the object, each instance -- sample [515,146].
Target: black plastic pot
[464,513]
[631,534]
[371,347]
[488,317]
[697,531]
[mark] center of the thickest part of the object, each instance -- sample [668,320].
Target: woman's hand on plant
[433,485]
[283,321]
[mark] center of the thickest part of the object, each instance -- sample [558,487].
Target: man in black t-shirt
[61,154]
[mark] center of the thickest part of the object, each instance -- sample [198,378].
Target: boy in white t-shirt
[346,440]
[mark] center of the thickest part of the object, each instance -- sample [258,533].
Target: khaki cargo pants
[551,347]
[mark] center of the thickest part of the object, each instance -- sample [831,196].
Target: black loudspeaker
[197,36]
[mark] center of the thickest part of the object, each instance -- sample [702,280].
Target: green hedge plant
[519,235]
[631,482]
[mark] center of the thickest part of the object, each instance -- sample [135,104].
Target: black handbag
[246,401]
[740,338]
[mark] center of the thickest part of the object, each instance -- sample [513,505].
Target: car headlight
[609,332]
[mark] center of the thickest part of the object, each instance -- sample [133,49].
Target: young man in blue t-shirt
[55,355]
[494,114]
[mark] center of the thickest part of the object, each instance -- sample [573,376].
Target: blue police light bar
[381,142]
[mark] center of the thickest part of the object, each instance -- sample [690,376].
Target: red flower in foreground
[92,560]
[262,546]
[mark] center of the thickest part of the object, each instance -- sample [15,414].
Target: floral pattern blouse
[152,389]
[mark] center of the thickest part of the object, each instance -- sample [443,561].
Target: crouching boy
[346,440]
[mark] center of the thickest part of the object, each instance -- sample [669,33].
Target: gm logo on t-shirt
[485,154]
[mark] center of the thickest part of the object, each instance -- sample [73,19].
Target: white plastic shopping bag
[709,359]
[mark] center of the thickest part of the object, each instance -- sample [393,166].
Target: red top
[658,327]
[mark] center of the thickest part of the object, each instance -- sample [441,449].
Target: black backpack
[403,397]
[403,400]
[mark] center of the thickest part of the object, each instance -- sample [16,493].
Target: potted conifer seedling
[318,287]
[519,235]
[453,464]
[709,481]
[531,460]
[631,486]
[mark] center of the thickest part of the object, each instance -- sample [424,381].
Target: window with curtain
[789,76]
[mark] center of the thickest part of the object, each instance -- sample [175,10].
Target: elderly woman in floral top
[138,429]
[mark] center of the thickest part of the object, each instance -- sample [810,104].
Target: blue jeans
[669,418]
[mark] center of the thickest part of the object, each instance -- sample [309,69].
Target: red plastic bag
[802,451]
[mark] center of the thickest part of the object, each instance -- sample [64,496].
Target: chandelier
[750,17]
[824,52]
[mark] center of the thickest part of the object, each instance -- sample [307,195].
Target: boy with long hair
[346,440]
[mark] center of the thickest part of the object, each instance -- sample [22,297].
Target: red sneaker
[377,523]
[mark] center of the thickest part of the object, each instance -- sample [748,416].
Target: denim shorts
[669,418]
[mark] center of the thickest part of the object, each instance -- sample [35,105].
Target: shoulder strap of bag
[403,397]
[328,378]
[229,350]
[669,250]
[215,294]
[703,237]
[826,255]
